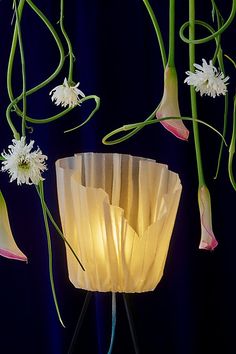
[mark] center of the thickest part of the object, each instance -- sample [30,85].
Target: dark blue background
[192,311]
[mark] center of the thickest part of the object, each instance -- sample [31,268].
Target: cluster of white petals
[207,80]
[22,164]
[66,95]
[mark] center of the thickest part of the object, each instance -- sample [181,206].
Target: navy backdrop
[192,311]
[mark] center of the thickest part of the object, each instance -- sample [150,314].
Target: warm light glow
[117,212]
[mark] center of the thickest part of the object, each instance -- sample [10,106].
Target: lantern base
[129,318]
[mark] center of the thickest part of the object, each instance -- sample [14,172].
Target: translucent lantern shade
[117,212]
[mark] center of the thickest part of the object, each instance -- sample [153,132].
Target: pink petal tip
[10,255]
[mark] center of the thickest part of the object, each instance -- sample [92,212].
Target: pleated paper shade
[117,212]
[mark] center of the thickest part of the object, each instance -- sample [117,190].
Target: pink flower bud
[208,240]
[169,106]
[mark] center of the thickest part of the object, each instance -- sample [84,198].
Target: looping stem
[15,39]
[212,36]
[137,126]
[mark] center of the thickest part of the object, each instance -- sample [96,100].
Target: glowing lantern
[117,213]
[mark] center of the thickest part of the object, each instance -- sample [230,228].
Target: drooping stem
[219,55]
[59,45]
[164,62]
[232,148]
[60,233]
[12,51]
[140,125]
[193,92]
[49,245]
[70,49]
[97,102]
[171,55]
[13,100]
[22,57]
[226,105]
[157,30]
[18,11]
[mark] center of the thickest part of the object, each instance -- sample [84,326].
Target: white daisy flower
[22,164]
[207,80]
[66,95]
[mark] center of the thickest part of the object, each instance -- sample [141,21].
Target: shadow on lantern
[117,212]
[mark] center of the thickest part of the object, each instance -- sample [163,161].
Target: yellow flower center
[24,164]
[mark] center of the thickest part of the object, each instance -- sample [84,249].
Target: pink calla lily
[169,106]
[8,247]
[208,240]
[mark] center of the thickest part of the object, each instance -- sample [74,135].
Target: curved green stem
[193,92]
[60,233]
[97,101]
[226,104]
[9,120]
[171,55]
[219,55]
[50,265]
[157,30]
[225,120]
[11,62]
[127,136]
[141,125]
[70,49]
[232,149]
[18,11]
[59,45]
[53,118]
[212,36]
[13,49]
[219,25]
[164,62]
[22,57]
[217,39]
[231,60]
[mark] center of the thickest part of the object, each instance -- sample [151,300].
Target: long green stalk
[193,93]
[50,263]
[158,32]
[70,49]
[22,57]
[171,55]
[232,149]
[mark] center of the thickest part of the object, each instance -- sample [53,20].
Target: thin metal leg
[80,321]
[131,323]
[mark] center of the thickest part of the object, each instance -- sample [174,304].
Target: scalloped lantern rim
[121,237]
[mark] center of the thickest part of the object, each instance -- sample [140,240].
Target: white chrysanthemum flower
[66,95]
[207,80]
[22,164]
